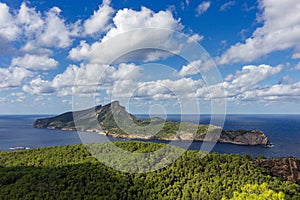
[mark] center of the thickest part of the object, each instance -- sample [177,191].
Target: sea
[282,130]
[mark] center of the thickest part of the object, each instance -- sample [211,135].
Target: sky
[208,57]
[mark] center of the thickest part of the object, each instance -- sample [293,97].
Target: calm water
[282,130]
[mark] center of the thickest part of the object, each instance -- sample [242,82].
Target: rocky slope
[288,168]
[113,120]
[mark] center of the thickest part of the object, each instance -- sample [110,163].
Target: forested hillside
[70,172]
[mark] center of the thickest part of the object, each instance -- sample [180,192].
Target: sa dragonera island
[113,120]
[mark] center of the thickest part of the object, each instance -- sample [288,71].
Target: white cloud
[56,33]
[85,79]
[278,92]
[124,81]
[35,62]
[31,20]
[80,52]
[158,90]
[191,69]
[93,77]
[137,28]
[13,77]
[202,65]
[37,30]
[38,86]
[195,37]
[241,86]
[128,19]
[251,75]
[98,22]
[202,7]
[61,84]
[8,27]
[32,47]
[281,31]
[227,5]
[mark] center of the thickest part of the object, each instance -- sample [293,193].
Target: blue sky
[242,56]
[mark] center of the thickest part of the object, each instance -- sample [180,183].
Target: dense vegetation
[70,172]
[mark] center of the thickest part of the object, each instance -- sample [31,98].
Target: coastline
[141,137]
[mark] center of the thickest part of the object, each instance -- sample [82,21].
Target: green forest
[71,172]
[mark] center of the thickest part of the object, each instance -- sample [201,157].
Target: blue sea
[282,130]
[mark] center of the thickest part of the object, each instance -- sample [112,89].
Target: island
[113,120]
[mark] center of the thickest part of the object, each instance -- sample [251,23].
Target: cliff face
[251,137]
[288,168]
[115,121]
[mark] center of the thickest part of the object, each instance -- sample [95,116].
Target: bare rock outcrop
[288,168]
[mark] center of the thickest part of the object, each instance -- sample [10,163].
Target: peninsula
[113,120]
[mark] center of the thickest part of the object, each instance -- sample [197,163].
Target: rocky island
[113,120]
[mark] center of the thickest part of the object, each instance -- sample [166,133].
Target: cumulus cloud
[35,62]
[280,31]
[8,27]
[30,20]
[240,86]
[275,93]
[124,81]
[245,77]
[133,30]
[165,89]
[13,77]
[280,92]
[169,88]
[191,69]
[80,52]
[35,29]
[196,67]
[56,33]
[237,87]
[202,7]
[38,86]
[98,22]
[86,79]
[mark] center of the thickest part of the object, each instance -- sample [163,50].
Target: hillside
[70,172]
[113,120]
